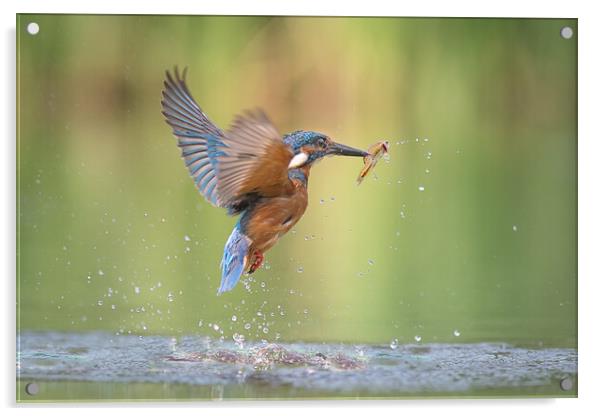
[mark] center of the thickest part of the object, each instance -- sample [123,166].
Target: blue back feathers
[233,262]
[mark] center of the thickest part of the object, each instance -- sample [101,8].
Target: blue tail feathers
[233,262]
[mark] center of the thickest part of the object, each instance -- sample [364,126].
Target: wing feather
[256,160]
[247,161]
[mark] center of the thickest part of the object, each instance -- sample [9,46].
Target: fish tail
[367,166]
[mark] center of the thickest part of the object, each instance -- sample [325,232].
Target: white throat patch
[298,161]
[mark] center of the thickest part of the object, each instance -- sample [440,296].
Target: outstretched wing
[199,139]
[249,160]
[256,160]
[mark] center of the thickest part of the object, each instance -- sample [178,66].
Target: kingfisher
[250,170]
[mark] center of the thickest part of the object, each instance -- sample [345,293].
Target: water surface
[103,366]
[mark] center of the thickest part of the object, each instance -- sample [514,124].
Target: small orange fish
[377,150]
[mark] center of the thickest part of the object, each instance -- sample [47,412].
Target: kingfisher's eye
[322,143]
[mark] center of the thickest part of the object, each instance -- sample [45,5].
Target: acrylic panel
[450,271]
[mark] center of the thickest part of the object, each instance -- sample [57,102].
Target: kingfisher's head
[310,146]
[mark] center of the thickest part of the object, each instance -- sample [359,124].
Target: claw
[256,263]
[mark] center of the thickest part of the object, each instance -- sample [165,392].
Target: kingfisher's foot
[256,263]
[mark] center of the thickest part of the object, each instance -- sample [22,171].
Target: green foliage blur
[467,233]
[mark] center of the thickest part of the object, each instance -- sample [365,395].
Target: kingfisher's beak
[339,149]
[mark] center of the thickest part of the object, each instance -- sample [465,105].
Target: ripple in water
[321,369]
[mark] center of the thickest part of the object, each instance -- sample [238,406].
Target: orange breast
[274,217]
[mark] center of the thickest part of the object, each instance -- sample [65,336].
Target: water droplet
[238,339]
[305,311]
[247,326]
[100,302]
[429,155]
[137,290]
[402,214]
[186,238]
[300,269]
[371,262]
[421,188]
[170,297]
[265,330]
[456,333]
[514,228]
[332,198]
[321,201]
[101,273]
[418,338]
[427,171]
[394,344]
[215,327]
[234,318]
[113,307]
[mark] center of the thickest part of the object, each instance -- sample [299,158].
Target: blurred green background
[467,234]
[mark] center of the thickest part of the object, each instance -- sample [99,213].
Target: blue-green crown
[300,138]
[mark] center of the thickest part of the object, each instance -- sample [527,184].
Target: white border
[590,208]
[508,8]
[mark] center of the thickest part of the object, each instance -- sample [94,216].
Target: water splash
[291,369]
